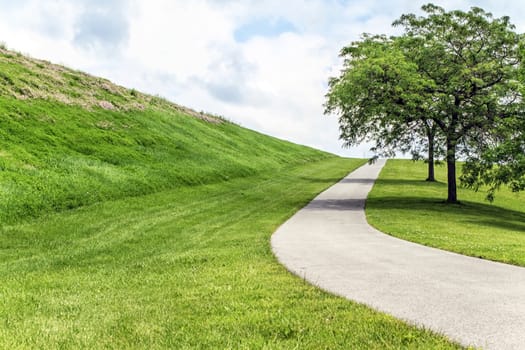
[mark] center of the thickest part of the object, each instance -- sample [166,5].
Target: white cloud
[179,37]
[186,51]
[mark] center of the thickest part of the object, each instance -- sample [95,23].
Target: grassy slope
[56,156]
[168,242]
[187,268]
[404,206]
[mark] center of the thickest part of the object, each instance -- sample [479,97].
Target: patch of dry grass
[26,78]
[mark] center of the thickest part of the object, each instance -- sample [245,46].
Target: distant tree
[432,144]
[458,69]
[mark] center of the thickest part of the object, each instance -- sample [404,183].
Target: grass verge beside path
[186,268]
[403,205]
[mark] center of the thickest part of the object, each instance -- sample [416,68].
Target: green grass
[58,152]
[55,157]
[186,268]
[147,226]
[403,205]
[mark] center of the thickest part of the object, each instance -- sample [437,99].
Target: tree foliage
[456,70]
[502,162]
[381,97]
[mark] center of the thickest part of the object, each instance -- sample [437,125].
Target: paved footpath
[330,244]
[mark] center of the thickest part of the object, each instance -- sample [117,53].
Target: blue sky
[263,64]
[269,27]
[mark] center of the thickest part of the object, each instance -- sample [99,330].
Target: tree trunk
[431,176]
[451,171]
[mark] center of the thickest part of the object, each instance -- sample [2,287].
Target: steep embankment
[68,139]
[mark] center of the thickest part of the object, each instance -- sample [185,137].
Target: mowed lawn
[404,205]
[185,268]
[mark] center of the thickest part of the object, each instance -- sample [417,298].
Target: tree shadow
[319,179]
[357,181]
[420,183]
[490,215]
[336,204]
[467,211]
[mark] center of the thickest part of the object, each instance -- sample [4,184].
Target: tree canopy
[455,73]
[381,97]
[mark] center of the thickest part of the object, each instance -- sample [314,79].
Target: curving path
[329,243]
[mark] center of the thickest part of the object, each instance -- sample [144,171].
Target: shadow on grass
[393,182]
[435,208]
[466,211]
[319,179]
[419,183]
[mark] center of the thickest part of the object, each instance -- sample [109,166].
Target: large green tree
[464,66]
[380,97]
[473,60]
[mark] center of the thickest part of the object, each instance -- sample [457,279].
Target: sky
[263,64]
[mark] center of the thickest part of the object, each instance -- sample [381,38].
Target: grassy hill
[129,222]
[68,139]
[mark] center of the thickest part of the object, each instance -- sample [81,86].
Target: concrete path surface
[330,244]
